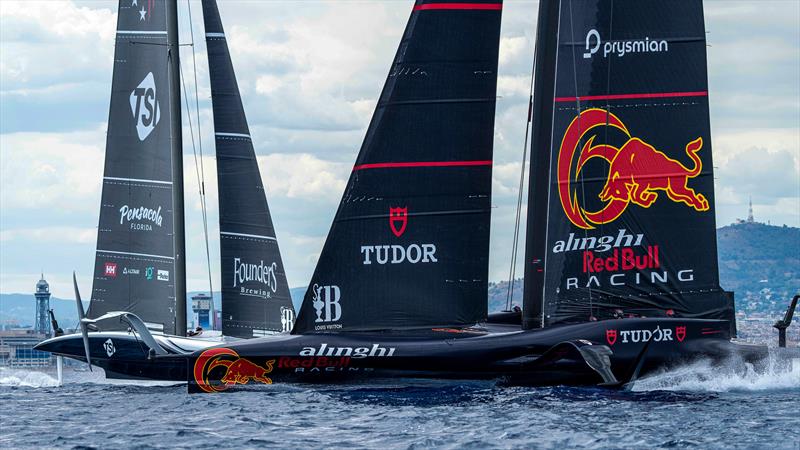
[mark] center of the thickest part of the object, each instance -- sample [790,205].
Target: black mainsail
[409,245]
[255,292]
[621,214]
[135,262]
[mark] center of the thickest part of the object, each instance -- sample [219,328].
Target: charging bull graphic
[238,370]
[637,171]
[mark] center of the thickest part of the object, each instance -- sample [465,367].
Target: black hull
[122,356]
[533,358]
[499,351]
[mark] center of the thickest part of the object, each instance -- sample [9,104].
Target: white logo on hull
[109,346]
[355,353]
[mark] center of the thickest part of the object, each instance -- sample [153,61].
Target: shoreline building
[41,323]
[16,344]
[203,308]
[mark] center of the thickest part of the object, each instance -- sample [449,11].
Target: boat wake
[26,378]
[733,376]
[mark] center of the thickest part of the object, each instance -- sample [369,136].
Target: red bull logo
[637,171]
[237,370]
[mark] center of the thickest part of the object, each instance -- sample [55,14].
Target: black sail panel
[630,211]
[409,244]
[255,292]
[134,262]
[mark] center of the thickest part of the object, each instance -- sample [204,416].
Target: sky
[310,73]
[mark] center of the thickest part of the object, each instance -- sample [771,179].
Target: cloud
[762,164]
[59,63]
[310,74]
[51,235]
[55,172]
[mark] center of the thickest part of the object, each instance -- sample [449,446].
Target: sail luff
[255,292]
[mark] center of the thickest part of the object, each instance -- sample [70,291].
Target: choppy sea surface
[694,406]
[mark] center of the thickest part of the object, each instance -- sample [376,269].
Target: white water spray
[26,378]
[732,376]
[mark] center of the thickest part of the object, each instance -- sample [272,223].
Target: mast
[176,147]
[543,89]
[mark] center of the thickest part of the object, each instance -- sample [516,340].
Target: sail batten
[255,291]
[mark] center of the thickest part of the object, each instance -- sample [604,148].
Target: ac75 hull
[123,355]
[538,357]
[550,356]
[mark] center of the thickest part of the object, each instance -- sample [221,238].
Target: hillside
[761,263]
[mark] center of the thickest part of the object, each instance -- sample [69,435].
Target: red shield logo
[680,333]
[398,219]
[110,269]
[611,336]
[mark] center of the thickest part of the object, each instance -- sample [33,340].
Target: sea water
[693,406]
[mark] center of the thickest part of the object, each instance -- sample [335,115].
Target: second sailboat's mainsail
[134,263]
[621,213]
[255,293]
[409,244]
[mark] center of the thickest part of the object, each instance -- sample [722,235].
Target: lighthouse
[42,294]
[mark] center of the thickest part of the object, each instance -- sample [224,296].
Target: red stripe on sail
[633,96]
[394,165]
[473,6]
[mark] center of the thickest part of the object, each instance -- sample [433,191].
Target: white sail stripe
[222,35]
[138,180]
[242,135]
[134,254]
[141,32]
[228,233]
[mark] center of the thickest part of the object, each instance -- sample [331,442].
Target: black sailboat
[138,306]
[620,261]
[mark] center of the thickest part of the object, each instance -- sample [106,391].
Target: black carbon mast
[409,245]
[176,147]
[541,119]
[255,292]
